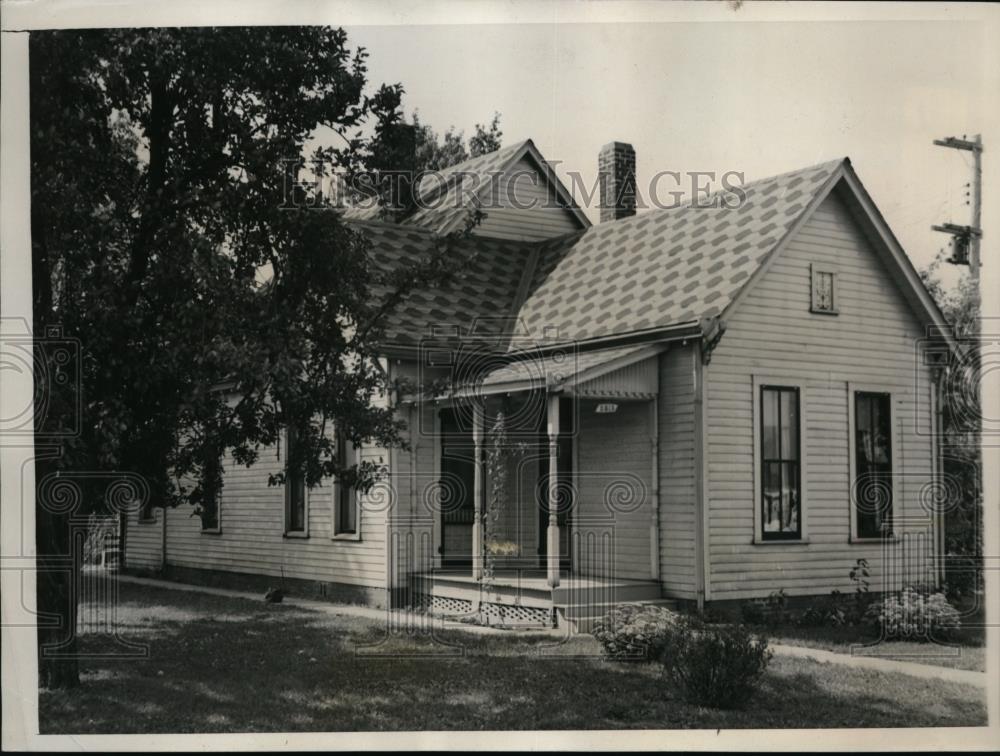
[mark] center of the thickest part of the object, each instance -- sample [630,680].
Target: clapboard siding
[525,210]
[252,537]
[143,541]
[615,463]
[677,460]
[415,518]
[772,333]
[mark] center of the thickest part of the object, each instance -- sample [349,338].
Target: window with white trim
[296,494]
[872,468]
[210,506]
[345,497]
[780,463]
[824,290]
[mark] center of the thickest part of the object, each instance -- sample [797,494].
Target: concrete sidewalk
[415,619]
[914,669]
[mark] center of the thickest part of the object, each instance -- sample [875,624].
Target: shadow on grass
[228,665]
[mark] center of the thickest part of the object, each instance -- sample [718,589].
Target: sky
[759,98]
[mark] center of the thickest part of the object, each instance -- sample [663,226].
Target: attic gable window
[824,290]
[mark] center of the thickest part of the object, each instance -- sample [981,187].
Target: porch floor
[531,578]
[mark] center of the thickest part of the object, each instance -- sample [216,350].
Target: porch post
[654,497]
[552,550]
[477,493]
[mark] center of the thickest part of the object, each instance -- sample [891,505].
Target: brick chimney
[616,168]
[396,158]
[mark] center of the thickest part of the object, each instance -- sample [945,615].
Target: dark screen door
[457,480]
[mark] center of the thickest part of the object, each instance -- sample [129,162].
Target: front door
[457,481]
[564,502]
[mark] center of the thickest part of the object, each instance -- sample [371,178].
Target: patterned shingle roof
[663,267]
[481,295]
[442,193]
[656,269]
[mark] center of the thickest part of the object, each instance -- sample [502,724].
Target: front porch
[547,506]
[524,599]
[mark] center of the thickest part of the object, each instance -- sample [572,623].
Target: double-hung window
[779,451]
[871,455]
[296,496]
[345,499]
[209,507]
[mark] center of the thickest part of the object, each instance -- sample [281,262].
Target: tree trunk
[59,571]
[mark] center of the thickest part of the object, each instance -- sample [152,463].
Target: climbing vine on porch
[500,454]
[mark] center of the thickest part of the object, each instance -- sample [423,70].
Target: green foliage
[630,632]
[166,242]
[914,615]
[215,299]
[833,611]
[436,152]
[771,611]
[713,665]
[753,612]
[501,452]
[961,411]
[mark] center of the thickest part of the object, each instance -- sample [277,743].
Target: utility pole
[965,239]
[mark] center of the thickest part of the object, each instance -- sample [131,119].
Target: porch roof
[628,372]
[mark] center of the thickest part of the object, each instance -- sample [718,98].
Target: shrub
[719,666]
[629,631]
[772,611]
[753,612]
[914,615]
[825,614]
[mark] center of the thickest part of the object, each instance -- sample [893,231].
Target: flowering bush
[713,665]
[502,548]
[914,615]
[630,632]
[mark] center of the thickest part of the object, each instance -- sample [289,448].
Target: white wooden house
[723,401]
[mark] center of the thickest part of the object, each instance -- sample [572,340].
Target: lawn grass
[964,649]
[231,665]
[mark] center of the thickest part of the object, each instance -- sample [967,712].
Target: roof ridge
[803,169]
[690,202]
[511,147]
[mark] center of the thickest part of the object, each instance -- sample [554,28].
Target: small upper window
[824,290]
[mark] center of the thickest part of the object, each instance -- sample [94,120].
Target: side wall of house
[677,472]
[614,480]
[414,513]
[524,208]
[773,335]
[251,538]
[144,542]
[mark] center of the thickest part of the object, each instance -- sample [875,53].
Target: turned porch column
[477,493]
[552,550]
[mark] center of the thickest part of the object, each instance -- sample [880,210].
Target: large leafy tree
[213,303]
[960,416]
[435,152]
